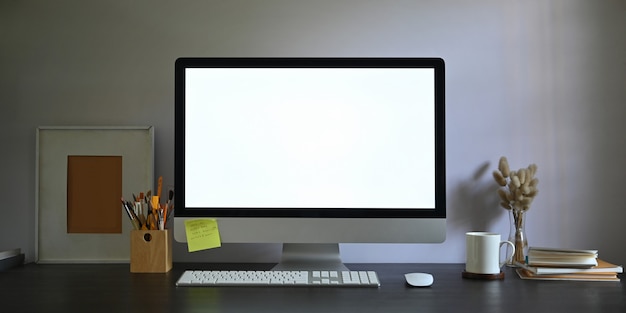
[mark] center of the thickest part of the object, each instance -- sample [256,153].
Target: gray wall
[538,81]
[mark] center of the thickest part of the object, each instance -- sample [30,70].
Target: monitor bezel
[439,211]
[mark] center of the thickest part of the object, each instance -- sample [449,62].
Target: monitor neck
[310,256]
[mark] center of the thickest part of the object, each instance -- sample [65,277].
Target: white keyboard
[279,278]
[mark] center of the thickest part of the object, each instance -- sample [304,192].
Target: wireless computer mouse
[419,279]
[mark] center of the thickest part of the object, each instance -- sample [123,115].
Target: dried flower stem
[517,192]
[518,222]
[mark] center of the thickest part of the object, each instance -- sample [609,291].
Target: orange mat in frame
[94,189]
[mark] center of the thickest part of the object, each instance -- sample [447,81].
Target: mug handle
[510,257]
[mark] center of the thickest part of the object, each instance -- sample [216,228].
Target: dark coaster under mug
[483,276]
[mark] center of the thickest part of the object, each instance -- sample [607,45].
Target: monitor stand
[310,256]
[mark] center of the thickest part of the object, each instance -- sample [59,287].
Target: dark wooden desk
[112,288]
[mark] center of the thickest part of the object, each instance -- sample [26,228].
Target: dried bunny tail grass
[499,178]
[522,175]
[532,169]
[511,186]
[518,188]
[504,196]
[526,201]
[516,181]
[510,197]
[503,166]
[505,205]
[525,189]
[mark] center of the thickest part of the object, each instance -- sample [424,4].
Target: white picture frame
[54,143]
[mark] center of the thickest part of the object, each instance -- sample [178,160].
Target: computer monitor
[311,152]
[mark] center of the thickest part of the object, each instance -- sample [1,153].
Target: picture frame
[135,144]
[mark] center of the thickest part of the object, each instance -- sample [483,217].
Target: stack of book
[567,264]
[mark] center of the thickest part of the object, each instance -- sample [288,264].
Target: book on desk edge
[540,251]
[602,267]
[573,263]
[525,274]
[558,257]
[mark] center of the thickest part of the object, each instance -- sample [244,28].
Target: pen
[151,222]
[148,196]
[126,209]
[159,186]
[163,216]
[133,217]
[139,211]
[167,210]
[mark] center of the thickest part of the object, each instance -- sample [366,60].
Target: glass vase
[517,235]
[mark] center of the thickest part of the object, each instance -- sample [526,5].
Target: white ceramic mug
[483,252]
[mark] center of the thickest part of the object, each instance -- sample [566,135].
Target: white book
[543,251]
[602,267]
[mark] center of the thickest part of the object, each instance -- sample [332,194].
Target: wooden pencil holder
[150,251]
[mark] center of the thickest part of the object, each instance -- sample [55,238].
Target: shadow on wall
[476,202]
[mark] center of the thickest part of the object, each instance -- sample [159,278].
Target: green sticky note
[202,234]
